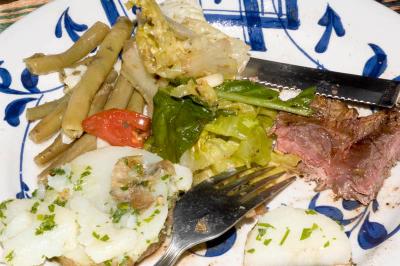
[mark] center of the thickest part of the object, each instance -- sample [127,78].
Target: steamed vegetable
[176,125]
[40,64]
[96,73]
[199,89]
[170,49]
[229,141]
[245,91]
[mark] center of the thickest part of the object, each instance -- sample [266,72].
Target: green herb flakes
[69,177]
[151,217]
[327,243]
[306,233]
[34,193]
[261,233]
[47,224]
[267,225]
[284,237]
[122,209]
[57,171]
[144,183]
[35,207]
[311,212]
[124,261]
[108,262]
[138,168]
[80,181]
[267,241]
[3,205]
[10,256]
[251,251]
[51,207]
[60,202]
[124,188]
[103,238]
[165,177]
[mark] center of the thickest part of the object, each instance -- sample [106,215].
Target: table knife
[354,88]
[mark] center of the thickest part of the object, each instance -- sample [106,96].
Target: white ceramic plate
[358,36]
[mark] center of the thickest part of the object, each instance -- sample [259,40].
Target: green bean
[100,99]
[96,73]
[56,148]
[40,111]
[43,64]
[120,95]
[84,144]
[136,103]
[50,124]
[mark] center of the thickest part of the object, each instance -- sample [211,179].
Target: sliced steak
[351,155]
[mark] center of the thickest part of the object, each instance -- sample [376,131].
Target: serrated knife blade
[372,91]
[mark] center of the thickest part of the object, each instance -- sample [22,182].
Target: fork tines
[250,183]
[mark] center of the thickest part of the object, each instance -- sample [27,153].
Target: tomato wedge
[119,127]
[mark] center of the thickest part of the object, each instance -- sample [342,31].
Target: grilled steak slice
[351,155]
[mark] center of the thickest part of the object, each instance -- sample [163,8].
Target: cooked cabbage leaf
[176,125]
[191,49]
[246,91]
[229,141]
[200,90]
[208,150]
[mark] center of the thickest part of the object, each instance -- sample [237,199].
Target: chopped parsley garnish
[151,217]
[108,262]
[327,243]
[124,261]
[51,207]
[122,209]
[311,212]
[267,241]
[124,188]
[284,237]
[3,206]
[103,238]
[69,177]
[266,225]
[57,171]
[144,183]
[34,193]
[251,251]
[60,202]
[35,207]
[165,177]
[10,256]
[261,233]
[47,224]
[148,241]
[138,168]
[307,231]
[79,182]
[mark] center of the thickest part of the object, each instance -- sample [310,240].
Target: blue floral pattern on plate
[254,17]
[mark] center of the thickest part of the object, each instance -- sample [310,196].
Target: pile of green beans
[100,88]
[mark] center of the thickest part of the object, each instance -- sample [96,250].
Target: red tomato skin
[119,127]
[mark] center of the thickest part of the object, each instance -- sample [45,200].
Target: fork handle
[172,254]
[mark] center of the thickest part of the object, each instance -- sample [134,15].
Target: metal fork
[214,206]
